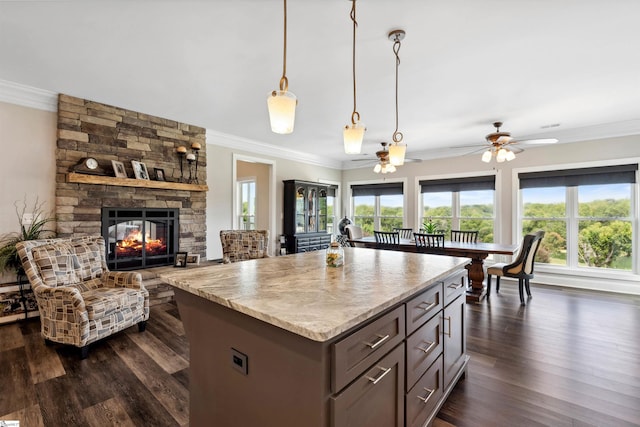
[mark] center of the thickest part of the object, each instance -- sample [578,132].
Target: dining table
[477,252]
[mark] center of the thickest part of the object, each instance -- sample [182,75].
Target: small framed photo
[118,169]
[193,259]
[159,174]
[181,259]
[139,170]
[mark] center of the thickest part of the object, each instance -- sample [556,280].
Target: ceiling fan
[500,145]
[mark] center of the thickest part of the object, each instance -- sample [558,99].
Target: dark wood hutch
[305,216]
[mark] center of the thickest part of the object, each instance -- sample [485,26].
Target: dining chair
[343,240]
[405,233]
[387,239]
[426,242]
[521,268]
[354,232]
[464,236]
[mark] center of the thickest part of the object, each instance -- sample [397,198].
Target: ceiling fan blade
[538,141]
[470,146]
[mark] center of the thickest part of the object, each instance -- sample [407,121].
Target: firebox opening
[138,238]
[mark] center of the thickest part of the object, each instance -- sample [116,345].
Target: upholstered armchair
[80,301]
[241,245]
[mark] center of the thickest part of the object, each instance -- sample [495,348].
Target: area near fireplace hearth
[91,129]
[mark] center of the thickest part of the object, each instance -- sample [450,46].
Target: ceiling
[546,68]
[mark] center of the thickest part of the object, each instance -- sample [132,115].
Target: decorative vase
[335,255]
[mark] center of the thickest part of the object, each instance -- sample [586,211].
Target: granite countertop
[299,293]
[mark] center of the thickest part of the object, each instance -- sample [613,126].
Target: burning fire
[134,241]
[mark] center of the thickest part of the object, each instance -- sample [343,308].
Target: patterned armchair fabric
[80,301]
[241,245]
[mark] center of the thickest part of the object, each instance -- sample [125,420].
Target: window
[247,208]
[587,215]
[331,209]
[460,204]
[378,206]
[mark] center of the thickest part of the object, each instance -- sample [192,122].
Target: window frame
[239,215]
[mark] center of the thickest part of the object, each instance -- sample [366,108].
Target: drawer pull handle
[448,319]
[425,399]
[428,349]
[454,286]
[377,343]
[381,376]
[430,306]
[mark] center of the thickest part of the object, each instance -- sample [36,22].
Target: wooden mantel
[129,182]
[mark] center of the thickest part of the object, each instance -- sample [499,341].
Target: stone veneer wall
[90,129]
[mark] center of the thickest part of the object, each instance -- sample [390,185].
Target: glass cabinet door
[322,209]
[300,209]
[312,224]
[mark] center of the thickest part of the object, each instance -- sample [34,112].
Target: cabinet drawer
[356,353]
[454,286]
[423,347]
[374,399]
[423,307]
[421,400]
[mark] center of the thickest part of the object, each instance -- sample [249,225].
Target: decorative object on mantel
[191,159]
[353,133]
[195,147]
[397,149]
[182,151]
[118,169]
[282,103]
[140,170]
[89,165]
[181,259]
[159,174]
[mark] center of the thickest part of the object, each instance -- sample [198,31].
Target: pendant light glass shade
[396,153]
[510,155]
[282,103]
[486,156]
[282,111]
[353,134]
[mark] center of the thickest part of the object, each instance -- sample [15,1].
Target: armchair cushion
[240,245]
[56,264]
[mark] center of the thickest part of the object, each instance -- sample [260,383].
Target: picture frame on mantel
[118,169]
[159,174]
[181,260]
[140,170]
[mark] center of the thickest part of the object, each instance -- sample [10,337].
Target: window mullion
[572,226]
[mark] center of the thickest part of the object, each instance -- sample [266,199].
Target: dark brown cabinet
[305,216]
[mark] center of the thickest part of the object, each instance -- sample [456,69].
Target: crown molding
[28,96]
[234,142]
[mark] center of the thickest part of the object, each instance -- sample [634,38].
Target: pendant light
[282,103]
[354,133]
[397,149]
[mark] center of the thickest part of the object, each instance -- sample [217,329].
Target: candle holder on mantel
[182,152]
[191,158]
[195,147]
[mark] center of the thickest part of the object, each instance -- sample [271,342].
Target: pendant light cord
[355,116]
[284,82]
[397,136]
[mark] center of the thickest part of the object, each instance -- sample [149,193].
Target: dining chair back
[405,233]
[354,232]
[426,242]
[521,268]
[387,239]
[464,236]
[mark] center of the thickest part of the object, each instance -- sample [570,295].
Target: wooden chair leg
[521,291]
[526,287]
[84,352]
[488,285]
[142,326]
[497,283]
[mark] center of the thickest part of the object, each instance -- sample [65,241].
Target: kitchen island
[288,341]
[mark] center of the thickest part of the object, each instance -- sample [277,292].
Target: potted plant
[29,230]
[429,226]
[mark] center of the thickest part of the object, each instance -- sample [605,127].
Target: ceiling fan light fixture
[282,103]
[501,156]
[353,134]
[487,155]
[510,155]
[377,168]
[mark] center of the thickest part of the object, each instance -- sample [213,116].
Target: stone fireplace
[90,129]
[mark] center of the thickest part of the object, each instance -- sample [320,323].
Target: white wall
[27,163]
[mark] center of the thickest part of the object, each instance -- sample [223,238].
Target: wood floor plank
[108,413]
[166,358]
[16,389]
[29,416]
[10,337]
[44,362]
[166,389]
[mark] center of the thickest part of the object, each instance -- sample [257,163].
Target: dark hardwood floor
[568,358]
